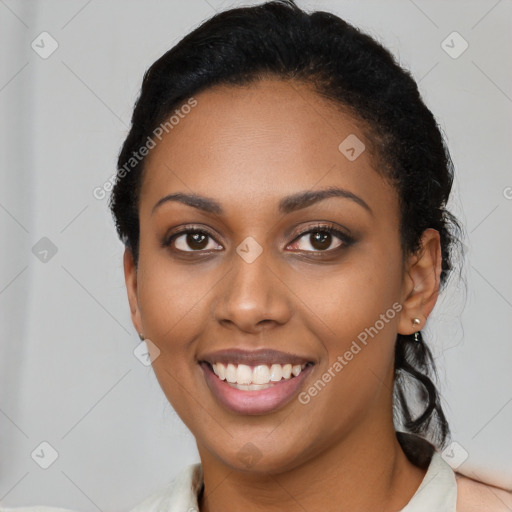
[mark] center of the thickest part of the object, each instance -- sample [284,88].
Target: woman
[282,198]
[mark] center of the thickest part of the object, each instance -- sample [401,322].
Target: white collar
[437,491]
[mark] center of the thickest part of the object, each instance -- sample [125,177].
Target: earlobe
[421,283]
[130,277]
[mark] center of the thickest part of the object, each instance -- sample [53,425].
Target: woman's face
[263,283]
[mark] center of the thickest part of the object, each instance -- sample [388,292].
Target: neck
[367,470]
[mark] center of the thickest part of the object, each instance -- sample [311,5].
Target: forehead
[254,144]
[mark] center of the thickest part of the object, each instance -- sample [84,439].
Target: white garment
[437,491]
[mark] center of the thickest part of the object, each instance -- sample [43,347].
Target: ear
[130,278]
[422,278]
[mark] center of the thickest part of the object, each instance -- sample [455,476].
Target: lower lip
[254,402]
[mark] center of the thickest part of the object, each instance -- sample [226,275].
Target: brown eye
[321,239]
[193,241]
[196,241]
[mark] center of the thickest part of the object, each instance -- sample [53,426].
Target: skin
[247,148]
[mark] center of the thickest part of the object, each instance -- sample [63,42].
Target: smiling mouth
[254,378]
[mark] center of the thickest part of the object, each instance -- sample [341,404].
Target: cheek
[172,297]
[343,300]
[173,305]
[353,310]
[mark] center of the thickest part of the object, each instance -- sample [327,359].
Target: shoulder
[475,496]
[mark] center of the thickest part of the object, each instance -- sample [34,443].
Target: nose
[253,297]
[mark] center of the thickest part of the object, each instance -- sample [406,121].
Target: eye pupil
[197,240]
[321,240]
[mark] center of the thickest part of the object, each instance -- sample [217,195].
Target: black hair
[278,39]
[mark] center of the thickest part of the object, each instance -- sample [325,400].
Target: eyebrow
[287,205]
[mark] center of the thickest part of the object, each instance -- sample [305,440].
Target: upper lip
[253,357]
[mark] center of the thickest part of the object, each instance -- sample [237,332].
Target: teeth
[231,373]
[276,372]
[251,387]
[243,374]
[260,374]
[251,378]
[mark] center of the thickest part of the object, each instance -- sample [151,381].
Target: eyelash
[346,240]
[320,228]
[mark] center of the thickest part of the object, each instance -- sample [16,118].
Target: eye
[324,238]
[192,240]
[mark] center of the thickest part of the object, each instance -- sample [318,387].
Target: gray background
[68,375]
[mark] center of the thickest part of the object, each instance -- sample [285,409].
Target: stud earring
[417,334]
[141,336]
